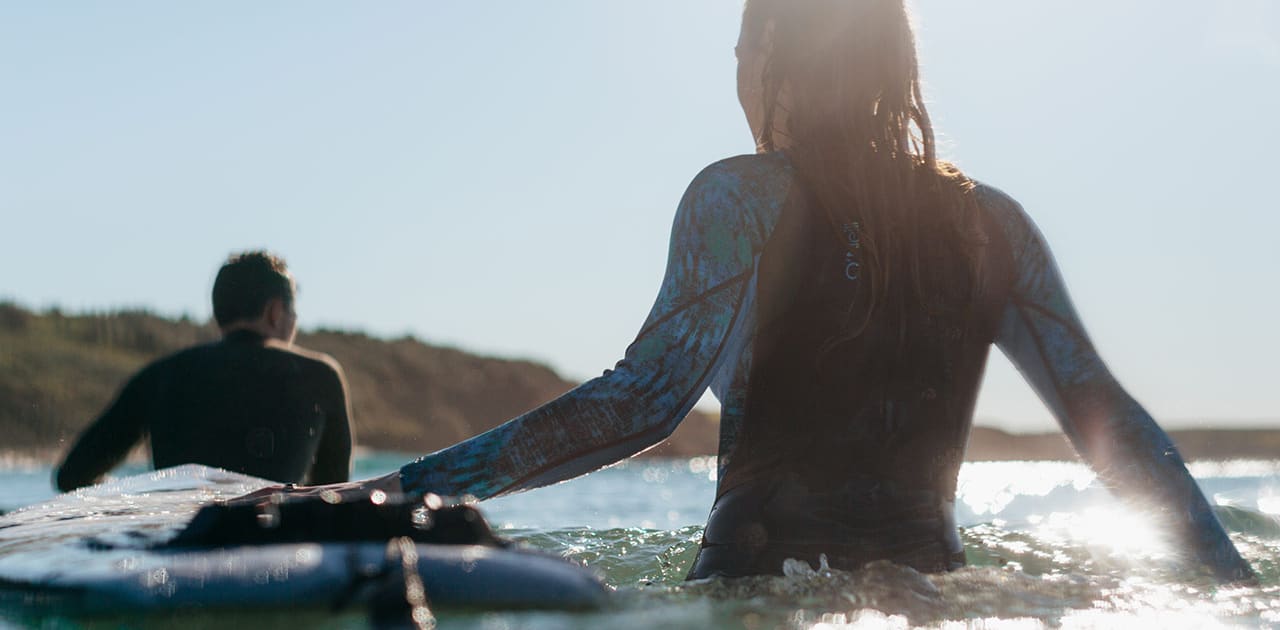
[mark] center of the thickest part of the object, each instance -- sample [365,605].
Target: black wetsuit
[851,450]
[244,403]
[856,460]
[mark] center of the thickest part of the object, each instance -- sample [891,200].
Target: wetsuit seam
[1047,312]
[702,297]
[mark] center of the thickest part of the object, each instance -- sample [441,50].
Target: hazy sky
[501,176]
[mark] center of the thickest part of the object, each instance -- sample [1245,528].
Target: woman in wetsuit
[839,292]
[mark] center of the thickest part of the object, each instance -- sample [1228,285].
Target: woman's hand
[377,490]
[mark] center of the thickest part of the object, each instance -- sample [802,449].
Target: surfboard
[100,551]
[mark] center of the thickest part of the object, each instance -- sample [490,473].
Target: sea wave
[1013,575]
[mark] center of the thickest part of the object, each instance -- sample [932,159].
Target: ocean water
[1047,546]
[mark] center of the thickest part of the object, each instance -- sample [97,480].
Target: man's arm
[333,456]
[107,441]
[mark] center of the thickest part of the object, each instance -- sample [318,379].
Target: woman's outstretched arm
[1043,337]
[689,334]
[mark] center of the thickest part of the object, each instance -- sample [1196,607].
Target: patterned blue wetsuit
[888,489]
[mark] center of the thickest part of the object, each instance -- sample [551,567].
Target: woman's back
[850,447]
[892,402]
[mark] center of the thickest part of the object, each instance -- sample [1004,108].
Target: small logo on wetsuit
[851,264]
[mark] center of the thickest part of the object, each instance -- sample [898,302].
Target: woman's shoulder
[1020,230]
[749,168]
[996,201]
[741,196]
[753,179]
[1005,211]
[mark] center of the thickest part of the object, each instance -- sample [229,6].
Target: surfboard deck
[90,552]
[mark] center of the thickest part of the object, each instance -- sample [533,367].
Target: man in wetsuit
[252,403]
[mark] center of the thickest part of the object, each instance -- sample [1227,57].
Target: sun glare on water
[988,488]
[1122,530]
[876,620]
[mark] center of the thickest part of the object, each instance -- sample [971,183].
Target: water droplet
[432,501]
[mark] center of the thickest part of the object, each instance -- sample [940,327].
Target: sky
[501,176]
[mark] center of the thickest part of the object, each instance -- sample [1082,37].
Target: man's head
[255,291]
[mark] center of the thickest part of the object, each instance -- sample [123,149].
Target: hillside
[57,371]
[987,444]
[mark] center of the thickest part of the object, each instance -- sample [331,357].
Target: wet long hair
[861,143]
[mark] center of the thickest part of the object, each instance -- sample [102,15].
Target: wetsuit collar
[244,335]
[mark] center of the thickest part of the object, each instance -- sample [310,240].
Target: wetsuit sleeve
[683,342]
[1042,335]
[333,455]
[108,440]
